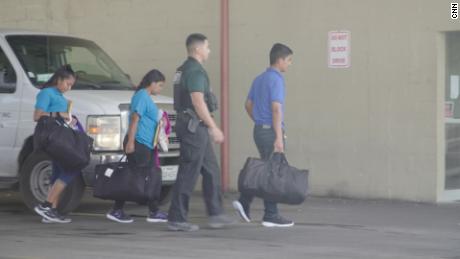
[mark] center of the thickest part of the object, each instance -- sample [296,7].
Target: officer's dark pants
[143,160]
[196,157]
[264,137]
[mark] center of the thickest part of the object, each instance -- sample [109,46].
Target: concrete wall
[138,34]
[374,130]
[368,131]
[44,15]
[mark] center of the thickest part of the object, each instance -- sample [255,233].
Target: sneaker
[244,212]
[156,217]
[277,221]
[41,209]
[63,218]
[119,216]
[44,220]
[220,221]
[50,214]
[182,226]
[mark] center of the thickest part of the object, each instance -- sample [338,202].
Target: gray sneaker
[51,214]
[182,226]
[63,220]
[220,221]
[277,221]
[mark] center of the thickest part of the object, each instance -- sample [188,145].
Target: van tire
[34,178]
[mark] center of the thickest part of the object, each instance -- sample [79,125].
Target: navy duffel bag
[120,181]
[273,180]
[68,147]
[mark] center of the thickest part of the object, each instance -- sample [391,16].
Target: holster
[211,101]
[193,121]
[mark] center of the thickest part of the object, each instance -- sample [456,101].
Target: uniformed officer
[194,103]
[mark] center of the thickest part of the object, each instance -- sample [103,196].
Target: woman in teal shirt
[138,143]
[50,102]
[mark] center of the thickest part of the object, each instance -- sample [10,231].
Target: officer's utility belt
[193,120]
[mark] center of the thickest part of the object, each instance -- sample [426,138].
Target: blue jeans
[60,174]
[264,137]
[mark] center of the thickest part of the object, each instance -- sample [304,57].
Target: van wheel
[165,195]
[34,183]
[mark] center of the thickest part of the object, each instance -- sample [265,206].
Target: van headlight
[106,132]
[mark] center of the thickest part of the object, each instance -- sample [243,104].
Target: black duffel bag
[68,147]
[123,182]
[273,180]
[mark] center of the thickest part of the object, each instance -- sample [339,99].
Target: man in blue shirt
[265,106]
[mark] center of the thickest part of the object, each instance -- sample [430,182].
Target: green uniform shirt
[195,78]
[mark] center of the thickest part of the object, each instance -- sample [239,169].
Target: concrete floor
[325,228]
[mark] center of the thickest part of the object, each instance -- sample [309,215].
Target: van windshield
[40,56]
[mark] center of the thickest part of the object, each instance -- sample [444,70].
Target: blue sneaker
[158,216]
[119,216]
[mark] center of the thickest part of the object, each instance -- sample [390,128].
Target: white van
[100,97]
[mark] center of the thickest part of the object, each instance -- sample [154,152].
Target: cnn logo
[454,11]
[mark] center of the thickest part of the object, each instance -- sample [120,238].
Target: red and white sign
[449,109]
[339,49]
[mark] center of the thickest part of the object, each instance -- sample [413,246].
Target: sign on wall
[339,49]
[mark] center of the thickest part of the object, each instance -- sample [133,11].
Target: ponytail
[64,72]
[153,76]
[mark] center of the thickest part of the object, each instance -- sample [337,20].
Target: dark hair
[193,39]
[64,72]
[153,76]
[279,51]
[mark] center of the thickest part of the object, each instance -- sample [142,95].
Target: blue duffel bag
[121,182]
[70,148]
[273,180]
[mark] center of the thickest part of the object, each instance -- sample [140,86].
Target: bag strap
[59,119]
[276,160]
[121,158]
[281,157]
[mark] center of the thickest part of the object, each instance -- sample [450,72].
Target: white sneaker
[277,221]
[64,220]
[47,221]
[239,208]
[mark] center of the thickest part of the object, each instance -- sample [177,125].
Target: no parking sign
[339,49]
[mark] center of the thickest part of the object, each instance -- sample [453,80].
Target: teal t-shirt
[50,99]
[143,105]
